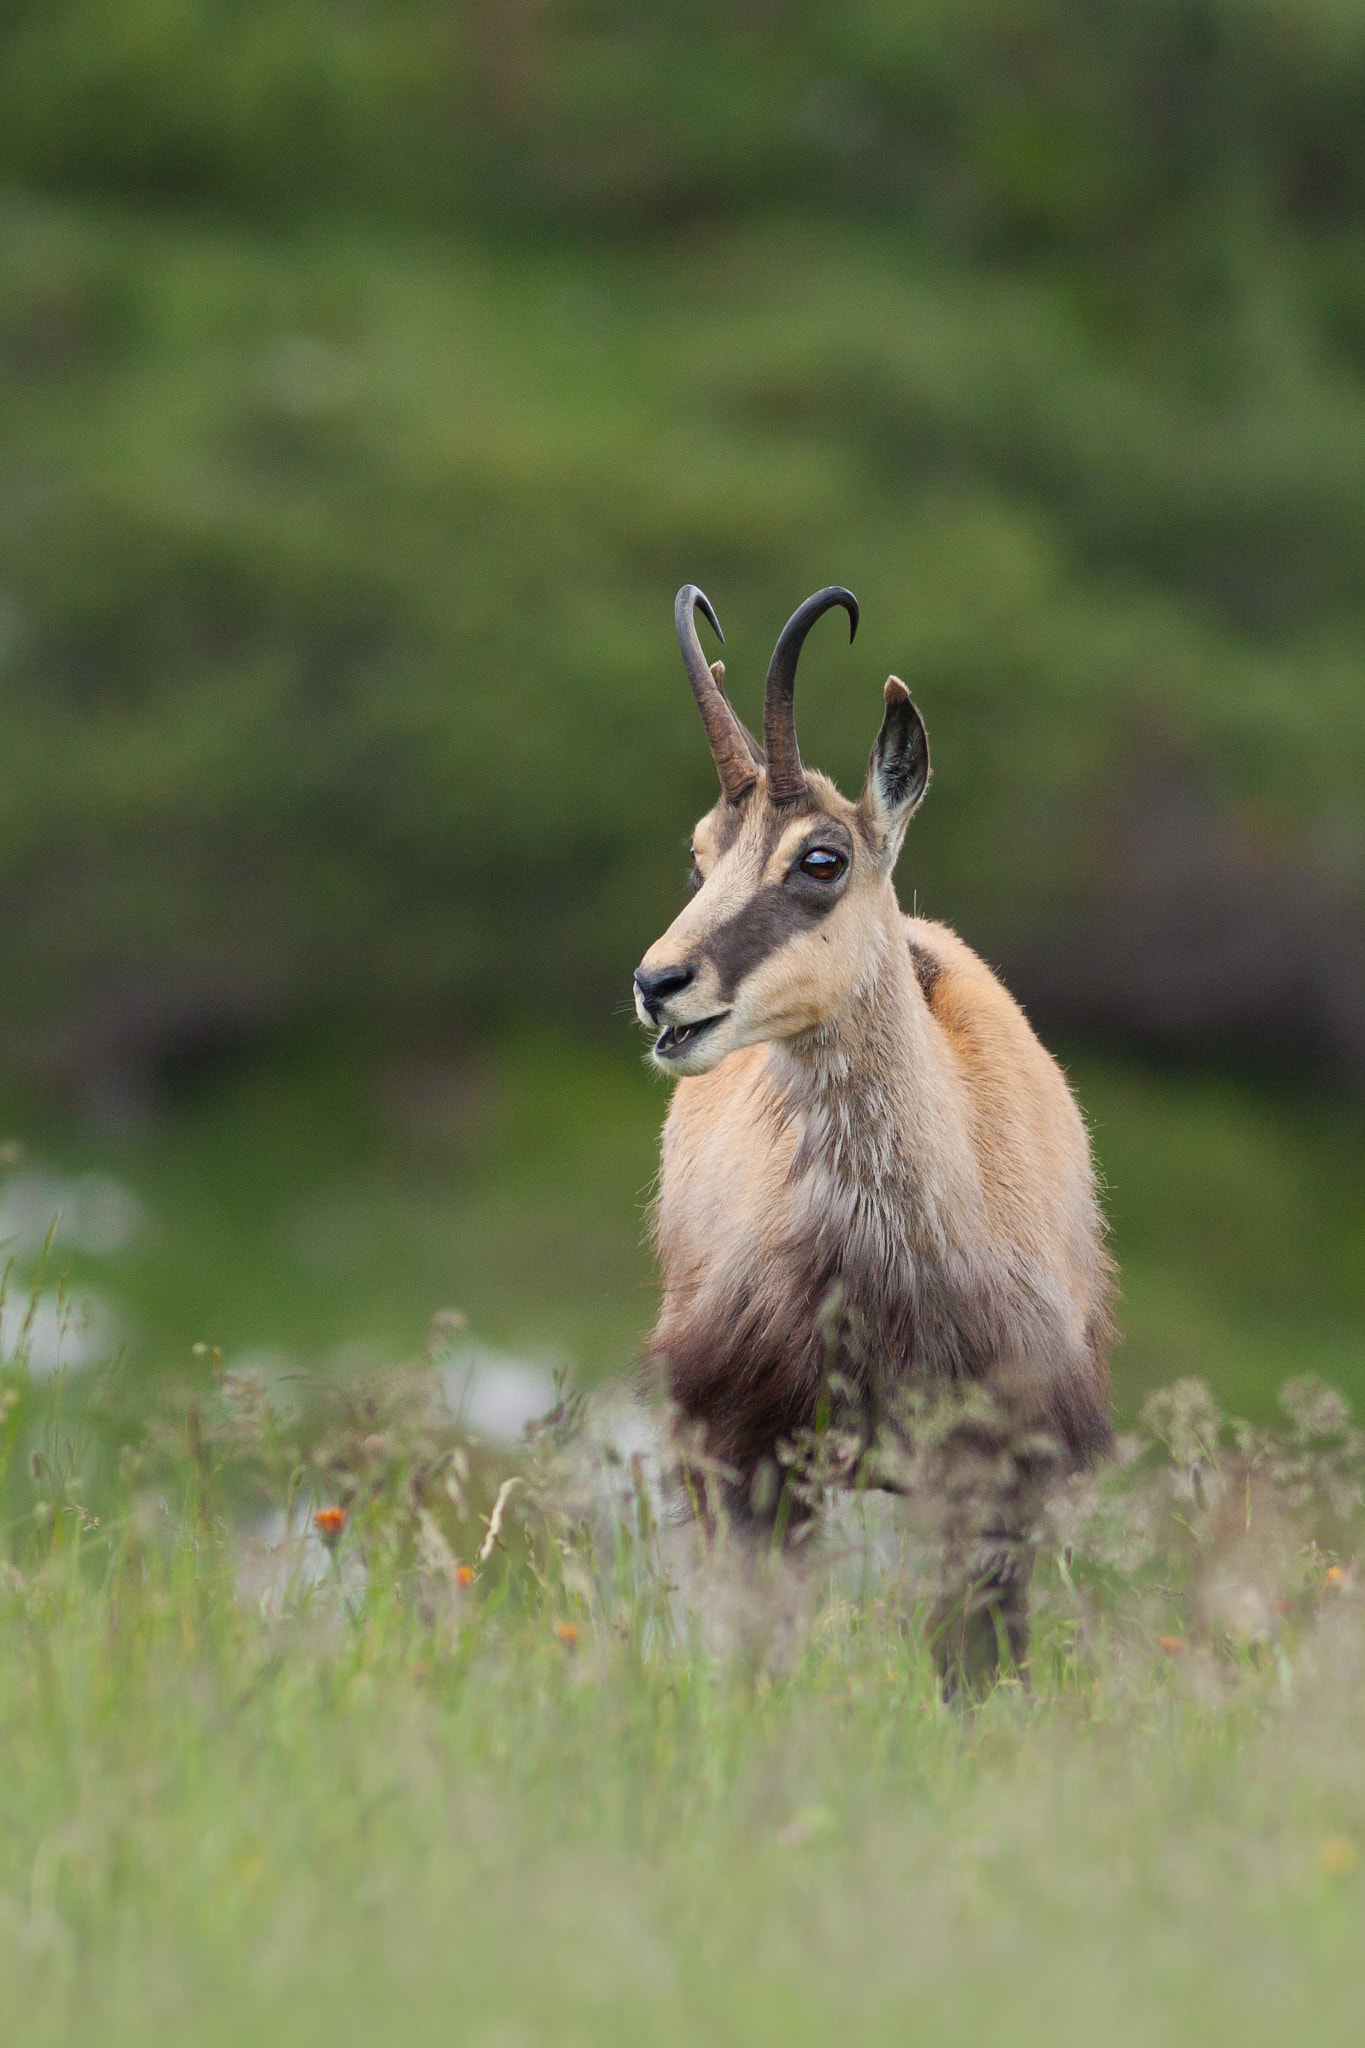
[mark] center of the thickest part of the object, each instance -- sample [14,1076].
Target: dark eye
[694,880]
[822,865]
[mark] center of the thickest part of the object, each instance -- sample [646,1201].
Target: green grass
[1238,1220]
[327,1205]
[326,1201]
[565,1805]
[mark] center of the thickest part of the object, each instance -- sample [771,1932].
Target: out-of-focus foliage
[371,375]
[1051,123]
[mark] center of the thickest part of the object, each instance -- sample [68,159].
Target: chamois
[869,1162]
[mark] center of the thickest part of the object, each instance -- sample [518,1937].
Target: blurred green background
[371,374]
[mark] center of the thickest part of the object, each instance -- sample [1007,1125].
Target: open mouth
[677,1039]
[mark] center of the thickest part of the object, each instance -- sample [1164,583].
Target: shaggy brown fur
[871,1167]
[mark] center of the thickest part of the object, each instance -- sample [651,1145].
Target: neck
[877,1097]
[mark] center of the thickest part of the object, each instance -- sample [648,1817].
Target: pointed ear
[898,772]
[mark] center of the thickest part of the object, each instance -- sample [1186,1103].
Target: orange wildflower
[1339,1856]
[1174,1646]
[1334,1575]
[567,1632]
[464,1574]
[329,1523]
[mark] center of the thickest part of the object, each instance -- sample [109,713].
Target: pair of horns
[737,755]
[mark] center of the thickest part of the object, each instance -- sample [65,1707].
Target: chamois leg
[979,1625]
[752,1494]
[768,1506]
[989,1502]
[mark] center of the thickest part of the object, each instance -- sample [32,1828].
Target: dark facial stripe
[729,825]
[770,917]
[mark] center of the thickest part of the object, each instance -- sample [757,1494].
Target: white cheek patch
[809,982]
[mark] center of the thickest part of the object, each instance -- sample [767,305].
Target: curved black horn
[786,777]
[724,734]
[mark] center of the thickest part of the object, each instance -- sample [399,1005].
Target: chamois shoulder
[962,992]
[1015,1080]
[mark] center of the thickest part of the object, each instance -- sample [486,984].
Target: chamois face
[790,895]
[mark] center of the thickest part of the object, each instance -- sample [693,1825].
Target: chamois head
[791,881]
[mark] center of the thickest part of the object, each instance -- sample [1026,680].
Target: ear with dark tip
[898,771]
[756,752]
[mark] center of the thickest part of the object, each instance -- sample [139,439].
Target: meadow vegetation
[323,1720]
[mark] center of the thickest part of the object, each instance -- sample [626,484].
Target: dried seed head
[446,1324]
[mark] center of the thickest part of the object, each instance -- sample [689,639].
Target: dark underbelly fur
[751,1384]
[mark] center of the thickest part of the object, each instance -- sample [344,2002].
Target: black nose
[656,984]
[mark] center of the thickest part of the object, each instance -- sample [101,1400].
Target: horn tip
[692,599]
